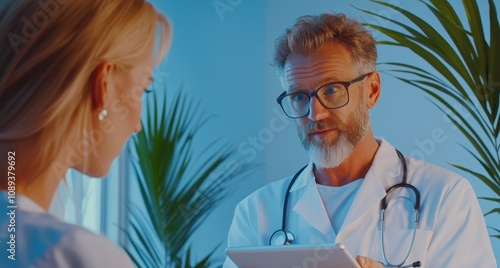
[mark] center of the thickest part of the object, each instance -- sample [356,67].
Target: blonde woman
[72,73]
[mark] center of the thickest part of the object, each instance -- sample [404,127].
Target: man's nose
[317,111]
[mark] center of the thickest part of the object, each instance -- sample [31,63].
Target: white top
[338,200]
[451,233]
[41,240]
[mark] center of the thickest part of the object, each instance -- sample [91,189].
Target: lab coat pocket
[397,243]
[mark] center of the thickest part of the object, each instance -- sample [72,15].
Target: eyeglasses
[332,96]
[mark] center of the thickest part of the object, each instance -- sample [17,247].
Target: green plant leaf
[493,80]
[178,189]
[495,210]
[430,39]
[465,53]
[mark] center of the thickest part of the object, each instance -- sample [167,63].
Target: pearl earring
[102,114]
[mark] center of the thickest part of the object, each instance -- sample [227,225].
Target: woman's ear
[373,90]
[100,82]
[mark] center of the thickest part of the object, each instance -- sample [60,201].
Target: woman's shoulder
[45,241]
[79,247]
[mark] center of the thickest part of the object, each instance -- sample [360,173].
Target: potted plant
[179,189]
[467,53]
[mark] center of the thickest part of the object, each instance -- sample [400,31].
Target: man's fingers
[366,262]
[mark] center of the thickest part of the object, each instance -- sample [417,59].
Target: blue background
[221,55]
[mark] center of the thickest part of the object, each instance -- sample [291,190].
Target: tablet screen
[295,256]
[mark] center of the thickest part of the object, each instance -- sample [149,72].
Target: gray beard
[326,154]
[330,156]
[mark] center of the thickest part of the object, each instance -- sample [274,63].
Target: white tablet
[294,256]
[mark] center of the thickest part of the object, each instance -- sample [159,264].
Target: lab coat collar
[305,178]
[381,175]
[386,163]
[310,206]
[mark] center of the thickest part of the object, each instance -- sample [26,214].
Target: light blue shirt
[338,200]
[30,237]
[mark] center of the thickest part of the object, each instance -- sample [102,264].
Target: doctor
[327,66]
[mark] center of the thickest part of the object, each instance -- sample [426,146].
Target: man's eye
[331,90]
[299,97]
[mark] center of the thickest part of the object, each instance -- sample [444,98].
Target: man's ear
[100,84]
[373,89]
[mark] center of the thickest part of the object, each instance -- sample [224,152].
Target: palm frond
[496,230]
[469,75]
[179,189]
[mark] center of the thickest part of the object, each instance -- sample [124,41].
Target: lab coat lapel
[310,206]
[382,174]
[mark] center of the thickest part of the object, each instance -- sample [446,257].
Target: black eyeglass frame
[315,93]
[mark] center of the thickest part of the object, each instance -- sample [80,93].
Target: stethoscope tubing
[287,195]
[383,207]
[289,237]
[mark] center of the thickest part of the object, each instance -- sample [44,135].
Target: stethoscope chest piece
[282,237]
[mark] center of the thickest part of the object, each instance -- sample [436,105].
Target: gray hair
[311,32]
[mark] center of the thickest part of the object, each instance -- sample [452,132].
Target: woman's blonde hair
[48,57]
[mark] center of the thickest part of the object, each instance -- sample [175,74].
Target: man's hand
[366,262]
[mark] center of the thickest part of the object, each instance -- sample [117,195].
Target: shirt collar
[22,202]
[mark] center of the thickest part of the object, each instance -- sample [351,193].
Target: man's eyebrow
[321,82]
[292,88]
[327,80]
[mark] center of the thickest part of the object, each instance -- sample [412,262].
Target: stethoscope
[285,237]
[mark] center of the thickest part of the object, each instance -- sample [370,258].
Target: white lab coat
[451,232]
[42,241]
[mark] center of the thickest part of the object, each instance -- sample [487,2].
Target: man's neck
[354,167]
